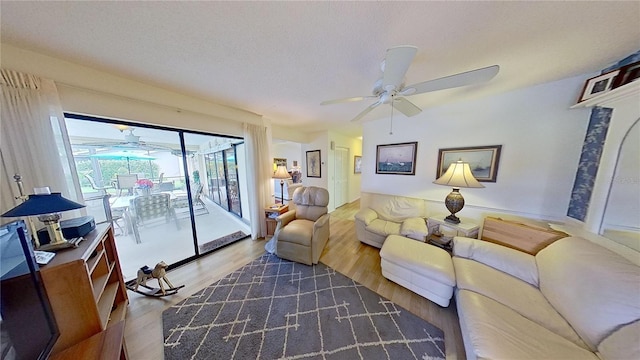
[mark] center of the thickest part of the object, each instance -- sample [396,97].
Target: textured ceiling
[281,59]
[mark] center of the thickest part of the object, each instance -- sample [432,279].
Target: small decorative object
[159,272]
[357,164]
[628,73]
[483,161]
[458,176]
[313,164]
[144,186]
[598,85]
[399,159]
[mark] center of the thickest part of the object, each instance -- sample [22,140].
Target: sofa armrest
[414,228]
[510,261]
[366,215]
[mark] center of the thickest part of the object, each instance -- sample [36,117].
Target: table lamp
[282,174]
[458,176]
[47,206]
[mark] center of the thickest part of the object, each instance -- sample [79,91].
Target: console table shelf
[86,288]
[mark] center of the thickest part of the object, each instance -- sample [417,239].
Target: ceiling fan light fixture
[121,127]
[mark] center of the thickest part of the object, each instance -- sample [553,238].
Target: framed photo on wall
[628,73]
[398,159]
[357,164]
[483,160]
[313,164]
[598,85]
[280,161]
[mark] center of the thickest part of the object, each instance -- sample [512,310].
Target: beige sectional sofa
[385,215]
[572,300]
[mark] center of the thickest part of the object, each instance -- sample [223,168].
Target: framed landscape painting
[280,161]
[483,160]
[313,164]
[357,164]
[398,159]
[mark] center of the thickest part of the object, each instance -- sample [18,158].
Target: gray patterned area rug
[277,309]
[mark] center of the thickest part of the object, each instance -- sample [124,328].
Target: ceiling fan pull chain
[391,127]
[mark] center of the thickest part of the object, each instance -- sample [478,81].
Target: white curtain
[259,180]
[32,138]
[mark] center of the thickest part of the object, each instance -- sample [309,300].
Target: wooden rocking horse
[158,272]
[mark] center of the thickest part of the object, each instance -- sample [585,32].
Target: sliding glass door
[165,189]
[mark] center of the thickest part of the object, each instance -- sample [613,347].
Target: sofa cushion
[595,289]
[398,208]
[514,293]
[495,331]
[366,215]
[624,344]
[383,227]
[510,261]
[414,228]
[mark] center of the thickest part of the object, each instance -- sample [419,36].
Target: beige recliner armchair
[301,234]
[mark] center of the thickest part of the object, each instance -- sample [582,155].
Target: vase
[144,192]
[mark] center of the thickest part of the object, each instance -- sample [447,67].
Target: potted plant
[143,186]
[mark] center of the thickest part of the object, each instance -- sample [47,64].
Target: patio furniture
[101,189]
[126,182]
[143,209]
[181,200]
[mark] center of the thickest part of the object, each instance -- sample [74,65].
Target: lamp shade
[43,204]
[281,173]
[459,175]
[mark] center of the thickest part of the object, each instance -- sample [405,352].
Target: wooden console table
[86,288]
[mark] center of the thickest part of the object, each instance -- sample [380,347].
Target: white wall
[541,141]
[288,150]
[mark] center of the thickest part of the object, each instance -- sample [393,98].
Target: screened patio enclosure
[158,187]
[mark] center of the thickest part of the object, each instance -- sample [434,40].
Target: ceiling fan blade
[406,107]
[396,64]
[366,111]
[344,100]
[453,81]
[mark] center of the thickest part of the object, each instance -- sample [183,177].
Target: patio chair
[146,208]
[101,189]
[196,194]
[126,182]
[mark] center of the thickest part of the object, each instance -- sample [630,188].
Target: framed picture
[398,159]
[313,164]
[357,164]
[280,161]
[483,161]
[628,73]
[598,85]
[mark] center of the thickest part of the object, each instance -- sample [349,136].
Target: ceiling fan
[130,141]
[390,89]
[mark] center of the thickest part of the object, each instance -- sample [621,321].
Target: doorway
[341,176]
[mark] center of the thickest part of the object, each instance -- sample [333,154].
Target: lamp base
[452,219]
[51,238]
[454,203]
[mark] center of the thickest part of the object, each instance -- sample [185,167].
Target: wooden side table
[270,214]
[438,226]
